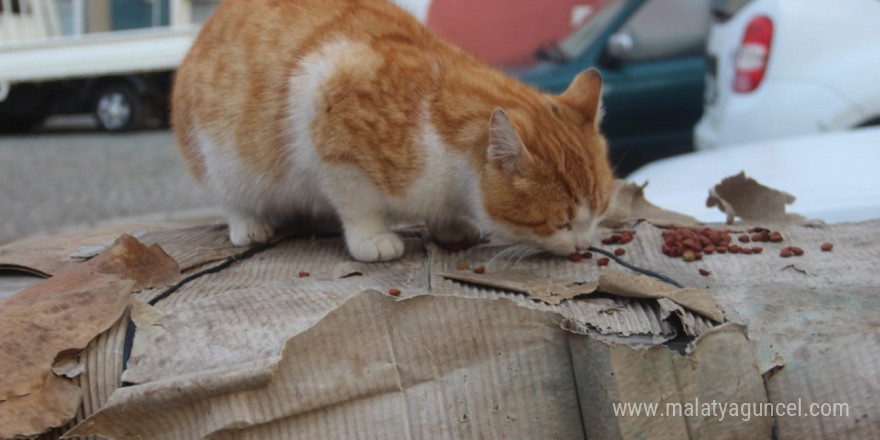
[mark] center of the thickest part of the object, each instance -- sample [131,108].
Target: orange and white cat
[352,109]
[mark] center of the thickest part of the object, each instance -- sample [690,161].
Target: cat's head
[547,179]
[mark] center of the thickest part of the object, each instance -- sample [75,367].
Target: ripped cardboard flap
[743,197]
[554,291]
[43,327]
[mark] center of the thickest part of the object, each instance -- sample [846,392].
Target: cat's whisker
[531,252]
[506,254]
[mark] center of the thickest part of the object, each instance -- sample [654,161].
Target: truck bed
[118,52]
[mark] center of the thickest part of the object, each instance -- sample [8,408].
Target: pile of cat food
[691,244]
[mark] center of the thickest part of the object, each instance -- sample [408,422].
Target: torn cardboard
[255,351]
[498,371]
[554,291]
[613,374]
[629,204]
[743,197]
[191,246]
[42,327]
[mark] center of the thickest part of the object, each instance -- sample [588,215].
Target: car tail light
[753,53]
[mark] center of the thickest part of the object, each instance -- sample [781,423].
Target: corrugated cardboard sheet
[248,347]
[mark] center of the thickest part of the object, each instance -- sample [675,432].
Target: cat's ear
[506,149]
[585,95]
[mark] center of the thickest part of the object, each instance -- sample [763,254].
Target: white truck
[123,77]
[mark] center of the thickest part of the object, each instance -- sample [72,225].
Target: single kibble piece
[619,251]
[709,249]
[826,247]
[757,249]
[603,261]
[463,266]
[689,255]
[588,255]
[303,274]
[785,252]
[721,249]
[480,269]
[743,238]
[797,251]
[775,236]
[704,272]
[394,292]
[607,240]
[575,257]
[746,251]
[734,249]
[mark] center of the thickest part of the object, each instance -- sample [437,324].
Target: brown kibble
[619,251]
[587,255]
[704,272]
[721,249]
[304,274]
[575,257]
[757,249]
[775,236]
[666,249]
[756,237]
[689,255]
[626,239]
[691,244]
[705,241]
[463,266]
[480,269]
[734,249]
[603,261]
[785,252]
[746,251]
[826,247]
[797,251]
[394,292]
[743,238]
[607,240]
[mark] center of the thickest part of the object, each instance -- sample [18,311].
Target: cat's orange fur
[235,85]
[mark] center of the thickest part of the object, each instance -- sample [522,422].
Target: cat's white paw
[382,247]
[455,232]
[245,232]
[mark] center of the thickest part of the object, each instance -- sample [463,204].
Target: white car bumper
[777,109]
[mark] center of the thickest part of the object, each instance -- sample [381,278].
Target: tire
[118,108]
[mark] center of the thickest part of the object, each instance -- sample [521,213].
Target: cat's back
[235,82]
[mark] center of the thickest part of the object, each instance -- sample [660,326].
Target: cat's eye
[566,226]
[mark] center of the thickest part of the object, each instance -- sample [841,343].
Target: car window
[581,39]
[667,29]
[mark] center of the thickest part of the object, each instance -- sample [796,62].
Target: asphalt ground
[62,179]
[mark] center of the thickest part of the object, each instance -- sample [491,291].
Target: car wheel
[118,108]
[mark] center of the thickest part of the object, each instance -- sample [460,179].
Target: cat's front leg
[453,230]
[361,209]
[245,230]
[368,239]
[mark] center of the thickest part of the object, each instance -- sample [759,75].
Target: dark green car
[652,57]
